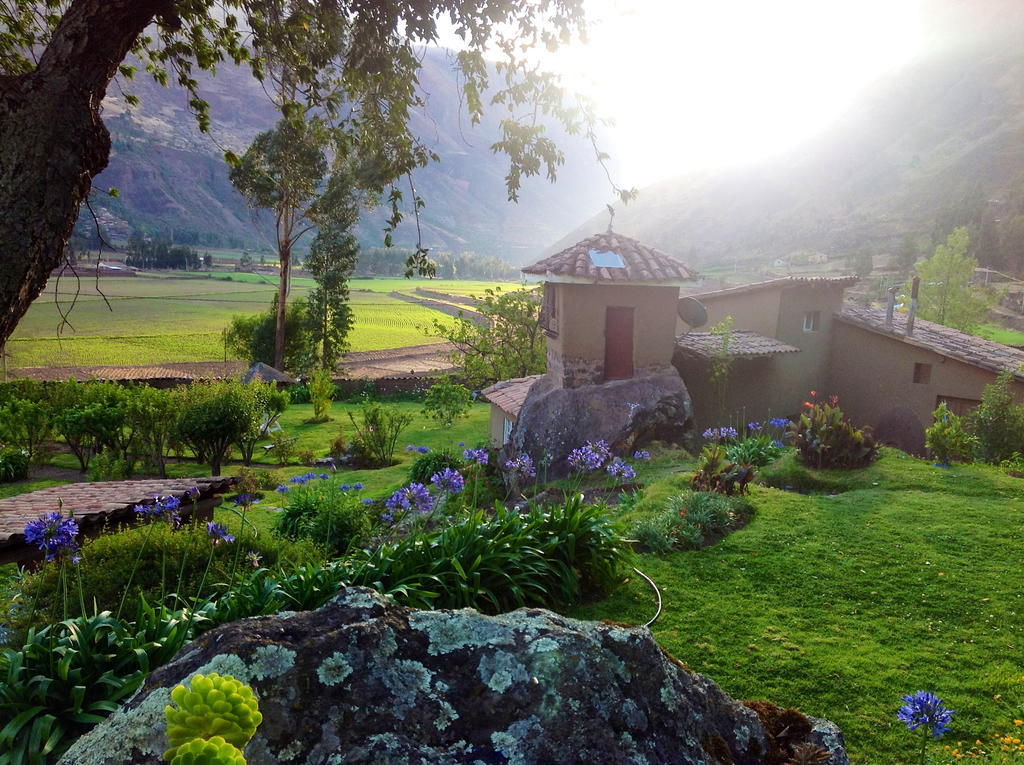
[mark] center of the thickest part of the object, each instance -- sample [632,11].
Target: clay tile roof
[642,264]
[744,345]
[509,395]
[137,373]
[785,281]
[943,340]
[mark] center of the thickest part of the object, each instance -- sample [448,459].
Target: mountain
[171,177]
[936,145]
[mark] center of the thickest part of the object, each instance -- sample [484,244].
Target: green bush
[824,438]
[377,431]
[319,512]
[544,557]
[997,423]
[213,416]
[446,402]
[425,465]
[13,464]
[321,392]
[269,404]
[298,394]
[715,472]
[165,561]
[946,438]
[758,451]
[688,521]
[105,468]
[27,424]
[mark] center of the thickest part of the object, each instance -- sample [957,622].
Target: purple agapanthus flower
[449,481]
[54,535]
[754,427]
[388,517]
[415,496]
[324,476]
[218,532]
[778,422]
[778,444]
[479,456]
[621,470]
[300,480]
[927,709]
[366,501]
[422,449]
[357,486]
[410,448]
[521,467]
[720,434]
[345,487]
[642,454]
[245,499]
[192,493]
[282,489]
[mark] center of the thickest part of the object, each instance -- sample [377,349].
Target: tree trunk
[285,259]
[52,141]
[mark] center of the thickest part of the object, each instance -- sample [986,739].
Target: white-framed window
[506,431]
[812,321]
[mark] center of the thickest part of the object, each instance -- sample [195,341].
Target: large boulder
[627,414]
[362,680]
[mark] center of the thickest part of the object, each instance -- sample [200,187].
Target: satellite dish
[692,311]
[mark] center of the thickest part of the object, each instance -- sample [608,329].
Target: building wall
[497,426]
[749,394]
[873,375]
[576,356]
[754,311]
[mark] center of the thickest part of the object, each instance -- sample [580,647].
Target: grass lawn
[1002,335]
[909,578]
[161,319]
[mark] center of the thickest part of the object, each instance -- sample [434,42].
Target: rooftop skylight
[605,259]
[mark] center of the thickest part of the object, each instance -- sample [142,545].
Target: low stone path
[96,505]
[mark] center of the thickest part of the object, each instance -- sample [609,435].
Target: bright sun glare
[697,84]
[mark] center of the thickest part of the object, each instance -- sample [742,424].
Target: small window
[812,321]
[549,311]
[506,431]
[923,373]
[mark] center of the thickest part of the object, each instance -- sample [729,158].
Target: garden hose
[657,594]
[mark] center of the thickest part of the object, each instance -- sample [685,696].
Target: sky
[696,85]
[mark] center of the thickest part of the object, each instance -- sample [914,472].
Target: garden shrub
[319,512]
[426,465]
[254,480]
[164,560]
[758,451]
[306,456]
[446,402]
[689,521]
[321,392]
[715,472]
[153,413]
[284,448]
[824,438]
[947,439]
[997,423]
[544,557]
[298,394]
[27,424]
[378,429]
[269,404]
[13,464]
[106,468]
[213,416]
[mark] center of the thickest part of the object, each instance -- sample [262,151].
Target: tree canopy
[356,62]
[947,296]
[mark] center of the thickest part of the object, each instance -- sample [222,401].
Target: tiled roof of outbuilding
[642,264]
[509,395]
[742,345]
[785,281]
[943,340]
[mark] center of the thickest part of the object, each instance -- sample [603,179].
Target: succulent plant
[215,706]
[212,751]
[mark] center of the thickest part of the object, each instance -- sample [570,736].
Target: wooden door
[618,343]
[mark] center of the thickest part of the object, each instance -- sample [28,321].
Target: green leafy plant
[268,404]
[378,429]
[947,439]
[716,472]
[213,416]
[27,424]
[317,511]
[426,465]
[997,423]
[321,392]
[212,751]
[446,402]
[758,451]
[688,521]
[284,448]
[13,464]
[213,706]
[824,438]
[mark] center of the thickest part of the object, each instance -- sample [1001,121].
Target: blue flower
[924,708]
[366,501]
[357,486]
[282,488]
[521,467]
[641,454]
[723,433]
[218,532]
[245,499]
[345,487]
[324,476]
[449,481]
[192,493]
[415,496]
[301,480]
[754,427]
[621,470]
[777,443]
[778,422]
[461,444]
[479,456]
[53,534]
[410,448]
[422,449]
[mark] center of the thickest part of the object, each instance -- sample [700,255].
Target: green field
[156,319]
[1002,335]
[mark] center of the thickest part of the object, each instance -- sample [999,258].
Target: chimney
[890,303]
[916,284]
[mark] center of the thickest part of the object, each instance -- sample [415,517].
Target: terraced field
[154,319]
